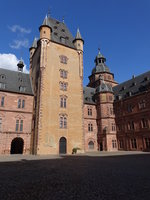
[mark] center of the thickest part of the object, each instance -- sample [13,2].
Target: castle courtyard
[102,176]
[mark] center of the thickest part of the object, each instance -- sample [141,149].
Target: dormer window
[63,30]
[55,33]
[2,85]
[146,78]
[63,40]
[134,83]
[123,87]
[22,89]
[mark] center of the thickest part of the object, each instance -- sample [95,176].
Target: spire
[34,44]
[78,35]
[100,58]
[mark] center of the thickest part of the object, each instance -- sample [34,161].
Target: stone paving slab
[86,177]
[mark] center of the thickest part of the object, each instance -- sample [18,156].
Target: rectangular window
[61,102]
[19,103]
[121,144]
[61,122]
[114,144]
[113,127]
[131,125]
[17,125]
[23,103]
[2,101]
[65,122]
[142,104]
[0,124]
[144,123]
[133,143]
[89,111]
[65,102]
[90,127]
[65,74]
[129,108]
[21,125]
[147,142]
[65,86]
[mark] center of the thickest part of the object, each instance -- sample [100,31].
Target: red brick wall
[135,115]
[90,136]
[9,113]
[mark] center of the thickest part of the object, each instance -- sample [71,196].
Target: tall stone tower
[102,80]
[56,70]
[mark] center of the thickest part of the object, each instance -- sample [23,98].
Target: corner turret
[46,29]
[78,41]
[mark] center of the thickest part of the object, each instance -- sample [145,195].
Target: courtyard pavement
[90,176]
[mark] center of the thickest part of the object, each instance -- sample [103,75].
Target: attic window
[2,85]
[22,89]
[55,33]
[57,22]
[63,30]
[146,78]
[55,27]
[123,87]
[63,40]
[134,83]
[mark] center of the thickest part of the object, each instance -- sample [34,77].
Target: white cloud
[10,61]
[16,28]
[17,44]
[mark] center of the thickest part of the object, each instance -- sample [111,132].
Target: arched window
[91,145]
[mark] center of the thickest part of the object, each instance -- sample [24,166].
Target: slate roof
[88,94]
[59,32]
[14,81]
[101,67]
[34,44]
[133,86]
[104,87]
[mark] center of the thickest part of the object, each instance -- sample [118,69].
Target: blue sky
[121,28]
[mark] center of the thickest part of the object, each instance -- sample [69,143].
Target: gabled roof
[60,32]
[14,81]
[133,86]
[88,95]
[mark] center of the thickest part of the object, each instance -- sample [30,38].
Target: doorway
[17,146]
[62,145]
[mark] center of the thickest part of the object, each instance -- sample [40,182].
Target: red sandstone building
[132,112]
[16,105]
[99,118]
